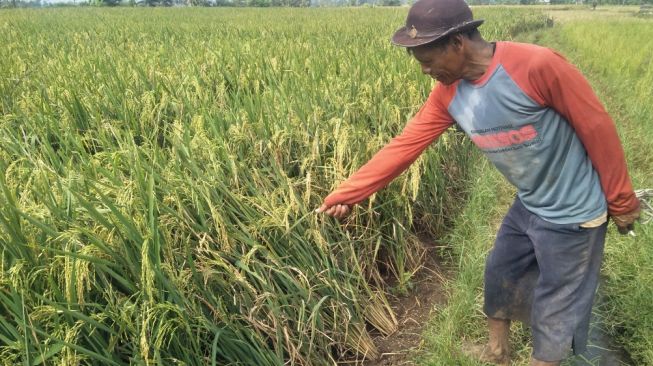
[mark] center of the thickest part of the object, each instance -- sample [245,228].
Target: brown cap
[430,20]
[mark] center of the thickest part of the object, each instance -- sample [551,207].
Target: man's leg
[510,275]
[497,350]
[511,269]
[569,259]
[499,337]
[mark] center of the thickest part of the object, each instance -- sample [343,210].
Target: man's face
[443,62]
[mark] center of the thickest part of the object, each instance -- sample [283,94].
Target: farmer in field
[538,121]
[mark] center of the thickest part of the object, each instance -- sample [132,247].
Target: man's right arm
[426,126]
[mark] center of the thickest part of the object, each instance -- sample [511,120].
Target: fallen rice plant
[159,171]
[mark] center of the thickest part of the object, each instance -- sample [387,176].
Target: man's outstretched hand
[337,211]
[625,222]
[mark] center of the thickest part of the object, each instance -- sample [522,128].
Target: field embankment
[160,168]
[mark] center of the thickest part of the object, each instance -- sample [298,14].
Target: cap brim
[402,37]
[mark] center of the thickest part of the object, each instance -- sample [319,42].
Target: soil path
[413,312]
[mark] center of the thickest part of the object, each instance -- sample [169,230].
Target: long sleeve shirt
[538,121]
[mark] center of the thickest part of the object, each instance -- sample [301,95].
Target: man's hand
[625,221]
[337,211]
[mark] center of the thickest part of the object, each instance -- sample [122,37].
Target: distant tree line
[291,3]
[559,2]
[212,3]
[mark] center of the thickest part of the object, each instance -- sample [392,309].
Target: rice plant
[160,170]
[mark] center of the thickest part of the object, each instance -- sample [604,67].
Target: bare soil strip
[413,312]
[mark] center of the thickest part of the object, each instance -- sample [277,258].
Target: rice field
[160,168]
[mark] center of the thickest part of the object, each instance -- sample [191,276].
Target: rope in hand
[645,197]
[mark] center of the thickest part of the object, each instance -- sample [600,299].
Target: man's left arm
[565,89]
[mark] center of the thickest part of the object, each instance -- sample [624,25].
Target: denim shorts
[545,275]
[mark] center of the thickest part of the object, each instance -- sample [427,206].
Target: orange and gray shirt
[537,120]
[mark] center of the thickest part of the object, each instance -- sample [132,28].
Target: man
[538,121]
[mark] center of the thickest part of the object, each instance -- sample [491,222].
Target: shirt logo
[505,139]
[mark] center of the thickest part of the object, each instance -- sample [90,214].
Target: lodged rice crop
[159,172]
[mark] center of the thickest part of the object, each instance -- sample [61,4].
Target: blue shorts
[545,275]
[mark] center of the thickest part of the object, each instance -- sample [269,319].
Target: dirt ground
[413,312]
